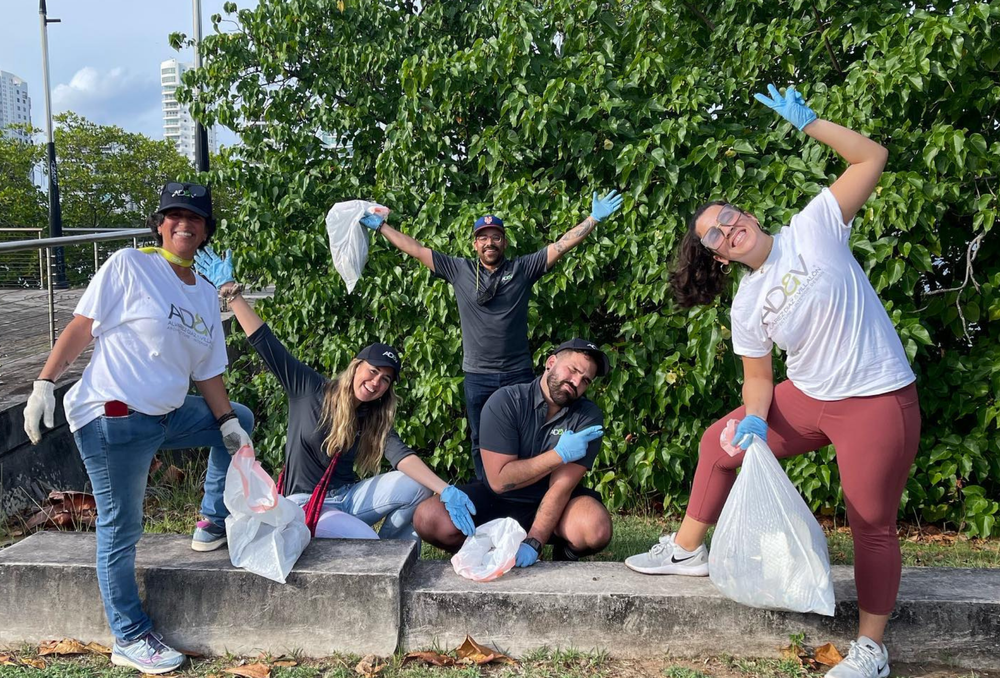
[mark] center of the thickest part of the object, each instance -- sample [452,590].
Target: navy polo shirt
[514,423]
[494,335]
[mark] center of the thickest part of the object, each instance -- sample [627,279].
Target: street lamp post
[55,212]
[200,133]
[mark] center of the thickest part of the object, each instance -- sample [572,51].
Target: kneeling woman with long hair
[339,429]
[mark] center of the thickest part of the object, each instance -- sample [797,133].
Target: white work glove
[41,401]
[233,436]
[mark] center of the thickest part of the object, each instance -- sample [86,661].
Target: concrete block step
[943,615]
[342,596]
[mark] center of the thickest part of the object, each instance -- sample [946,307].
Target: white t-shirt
[152,334]
[812,299]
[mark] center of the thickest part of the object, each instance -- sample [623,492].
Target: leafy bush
[523,108]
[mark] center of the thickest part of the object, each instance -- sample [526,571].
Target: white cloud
[113,97]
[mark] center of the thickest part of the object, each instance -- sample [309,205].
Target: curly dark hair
[696,278]
[155,220]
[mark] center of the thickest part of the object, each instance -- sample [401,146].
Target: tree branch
[829,49]
[700,15]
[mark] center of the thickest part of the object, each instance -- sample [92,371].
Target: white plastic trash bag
[490,552]
[349,238]
[267,532]
[768,550]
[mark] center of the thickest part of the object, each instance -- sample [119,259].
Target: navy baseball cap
[489,221]
[382,355]
[603,364]
[194,197]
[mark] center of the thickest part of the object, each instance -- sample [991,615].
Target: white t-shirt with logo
[152,335]
[812,299]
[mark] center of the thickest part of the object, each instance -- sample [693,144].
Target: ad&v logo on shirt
[193,324]
[778,298]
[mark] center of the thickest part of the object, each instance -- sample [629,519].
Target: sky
[104,56]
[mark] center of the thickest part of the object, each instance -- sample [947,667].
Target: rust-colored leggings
[876,439]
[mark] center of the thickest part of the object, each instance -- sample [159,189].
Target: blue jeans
[478,389]
[117,452]
[393,496]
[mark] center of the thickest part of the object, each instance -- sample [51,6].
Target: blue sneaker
[208,536]
[148,654]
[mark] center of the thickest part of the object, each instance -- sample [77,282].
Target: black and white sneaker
[867,659]
[666,557]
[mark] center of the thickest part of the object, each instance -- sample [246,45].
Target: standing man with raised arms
[493,294]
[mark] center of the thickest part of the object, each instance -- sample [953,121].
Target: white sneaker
[867,659]
[666,557]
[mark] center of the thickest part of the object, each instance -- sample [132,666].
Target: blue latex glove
[792,107]
[217,270]
[751,426]
[372,221]
[573,446]
[526,556]
[602,208]
[460,509]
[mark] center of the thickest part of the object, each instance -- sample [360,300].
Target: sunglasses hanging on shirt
[485,295]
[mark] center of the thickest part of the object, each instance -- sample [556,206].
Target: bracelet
[231,414]
[234,291]
[48,380]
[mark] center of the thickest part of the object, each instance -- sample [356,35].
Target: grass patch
[543,663]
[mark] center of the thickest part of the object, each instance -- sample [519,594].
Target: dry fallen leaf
[66,646]
[173,476]
[473,652]
[286,662]
[97,648]
[433,658]
[7,660]
[34,663]
[369,666]
[250,671]
[827,655]
[791,652]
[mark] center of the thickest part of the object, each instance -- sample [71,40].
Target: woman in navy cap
[340,429]
[156,328]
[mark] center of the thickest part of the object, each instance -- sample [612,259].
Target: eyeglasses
[489,237]
[714,237]
[176,190]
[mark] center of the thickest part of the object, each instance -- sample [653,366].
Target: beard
[561,392]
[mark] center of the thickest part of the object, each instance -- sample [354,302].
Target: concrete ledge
[343,596]
[946,615]
[372,597]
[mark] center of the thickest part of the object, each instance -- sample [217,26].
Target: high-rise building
[15,105]
[178,126]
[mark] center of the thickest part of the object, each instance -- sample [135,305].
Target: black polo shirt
[513,422]
[494,335]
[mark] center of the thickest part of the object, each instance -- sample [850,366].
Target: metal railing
[21,304]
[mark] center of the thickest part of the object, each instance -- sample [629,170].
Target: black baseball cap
[194,197]
[603,364]
[382,355]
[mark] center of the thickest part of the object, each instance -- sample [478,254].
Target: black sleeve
[395,449]
[296,378]
[535,265]
[498,429]
[446,267]
[593,417]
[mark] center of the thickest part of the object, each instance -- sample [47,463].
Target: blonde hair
[340,417]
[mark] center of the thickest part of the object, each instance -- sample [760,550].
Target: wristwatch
[533,543]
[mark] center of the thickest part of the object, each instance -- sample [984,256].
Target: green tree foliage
[523,108]
[22,203]
[109,177]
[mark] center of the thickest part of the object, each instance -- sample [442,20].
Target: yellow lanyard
[169,256]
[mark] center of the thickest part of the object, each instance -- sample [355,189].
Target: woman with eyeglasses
[156,328]
[340,429]
[849,382]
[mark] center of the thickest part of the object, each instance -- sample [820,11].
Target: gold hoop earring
[726,268]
